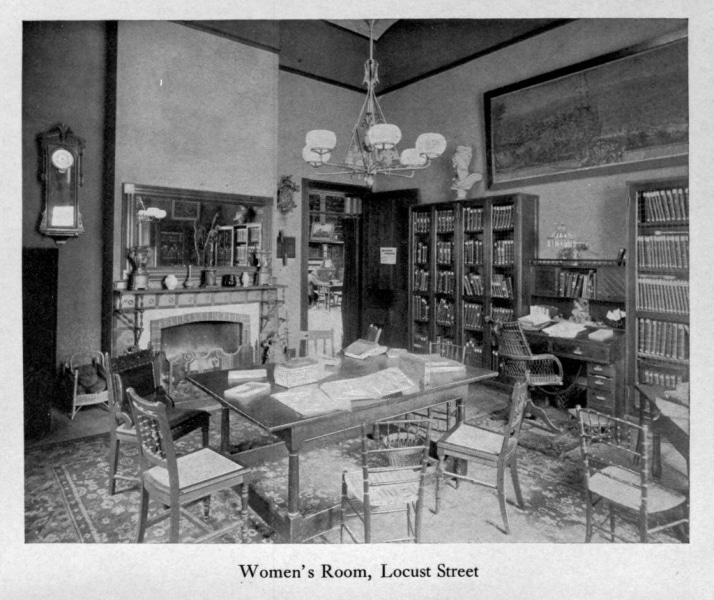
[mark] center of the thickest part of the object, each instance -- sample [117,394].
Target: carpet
[66,497]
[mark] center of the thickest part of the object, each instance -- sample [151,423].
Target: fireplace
[204,341]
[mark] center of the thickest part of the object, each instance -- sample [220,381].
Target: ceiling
[407,50]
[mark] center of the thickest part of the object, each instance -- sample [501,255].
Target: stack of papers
[565,329]
[364,349]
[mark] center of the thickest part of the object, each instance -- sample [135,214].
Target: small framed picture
[185,210]
[322,231]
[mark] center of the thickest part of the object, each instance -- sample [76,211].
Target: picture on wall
[620,112]
[185,210]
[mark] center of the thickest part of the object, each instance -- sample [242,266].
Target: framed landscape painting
[624,111]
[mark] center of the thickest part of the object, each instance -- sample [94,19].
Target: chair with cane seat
[318,342]
[469,443]
[175,481]
[142,371]
[615,455]
[391,481]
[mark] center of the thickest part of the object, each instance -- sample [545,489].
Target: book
[363,349]
[248,391]
[246,374]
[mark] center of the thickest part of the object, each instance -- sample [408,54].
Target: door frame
[306,186]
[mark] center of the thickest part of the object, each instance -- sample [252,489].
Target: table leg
[293,447]
[225,430]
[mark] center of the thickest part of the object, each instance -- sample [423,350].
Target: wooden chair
[176,481]
[373,333]
[80,396]
[317,342]
[615,456]
[142,371]
[391,481]
[466,443]
[444,415]
[517,362]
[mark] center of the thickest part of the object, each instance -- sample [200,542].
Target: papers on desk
[363,349]
[314,399]
[422,366]
[565,329]
[248,391]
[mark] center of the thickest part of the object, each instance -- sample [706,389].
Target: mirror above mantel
[173,231]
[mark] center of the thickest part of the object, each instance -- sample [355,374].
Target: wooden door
[385,264]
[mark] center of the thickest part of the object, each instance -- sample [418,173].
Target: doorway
[330,237]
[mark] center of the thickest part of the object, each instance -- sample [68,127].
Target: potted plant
[205,242]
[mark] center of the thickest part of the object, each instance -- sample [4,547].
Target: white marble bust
[463,180]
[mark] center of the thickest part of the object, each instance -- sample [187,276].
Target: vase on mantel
[208,278]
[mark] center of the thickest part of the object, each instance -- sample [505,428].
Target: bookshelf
[246,243]
[658,298]
[469,259]
[557,282]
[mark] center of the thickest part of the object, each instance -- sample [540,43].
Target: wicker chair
[517,362]
[83,397]
[615,456]
[391,481]
[176,481]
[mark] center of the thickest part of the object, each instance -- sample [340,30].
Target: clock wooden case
[61,173]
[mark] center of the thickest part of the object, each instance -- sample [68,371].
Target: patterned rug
[67,500]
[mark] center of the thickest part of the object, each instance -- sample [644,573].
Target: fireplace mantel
[132,309]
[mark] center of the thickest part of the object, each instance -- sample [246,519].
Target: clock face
[62,159]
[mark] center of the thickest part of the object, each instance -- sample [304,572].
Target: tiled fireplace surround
[140,318]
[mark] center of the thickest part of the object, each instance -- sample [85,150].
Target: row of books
[663,251]
[241,254]
[501,286]
[420,308]
[444,252]
[473,315]
[473,219]
[421,280]
[502,217]
[445,313]
[446,282]
[445,221]
[473,352]
[421,252]
[473,284]
[501,314]
[656,377]
[421,222]
[503,252]
[576,284]
[662,339]
[420,341]
[473,252]
[670,204]
[663,295]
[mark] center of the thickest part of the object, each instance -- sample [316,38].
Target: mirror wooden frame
[185,206]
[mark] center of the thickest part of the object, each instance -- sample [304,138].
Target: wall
[194,111]
[594,209]
[63,80]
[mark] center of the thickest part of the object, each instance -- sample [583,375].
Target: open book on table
[314,399]
[364,349]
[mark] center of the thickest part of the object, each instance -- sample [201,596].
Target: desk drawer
[602,384]
[601,401]
[600,370]
[582,349]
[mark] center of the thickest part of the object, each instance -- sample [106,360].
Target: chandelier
[372,149]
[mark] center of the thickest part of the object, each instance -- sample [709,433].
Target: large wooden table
[296,431]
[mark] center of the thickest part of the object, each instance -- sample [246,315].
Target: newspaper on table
[310,400]
[364,349]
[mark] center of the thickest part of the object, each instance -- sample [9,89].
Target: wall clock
[61,173]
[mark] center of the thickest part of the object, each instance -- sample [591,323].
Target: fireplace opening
[201,337]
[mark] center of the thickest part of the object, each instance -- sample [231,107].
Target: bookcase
[658,295]
[469,260]
[557,282]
